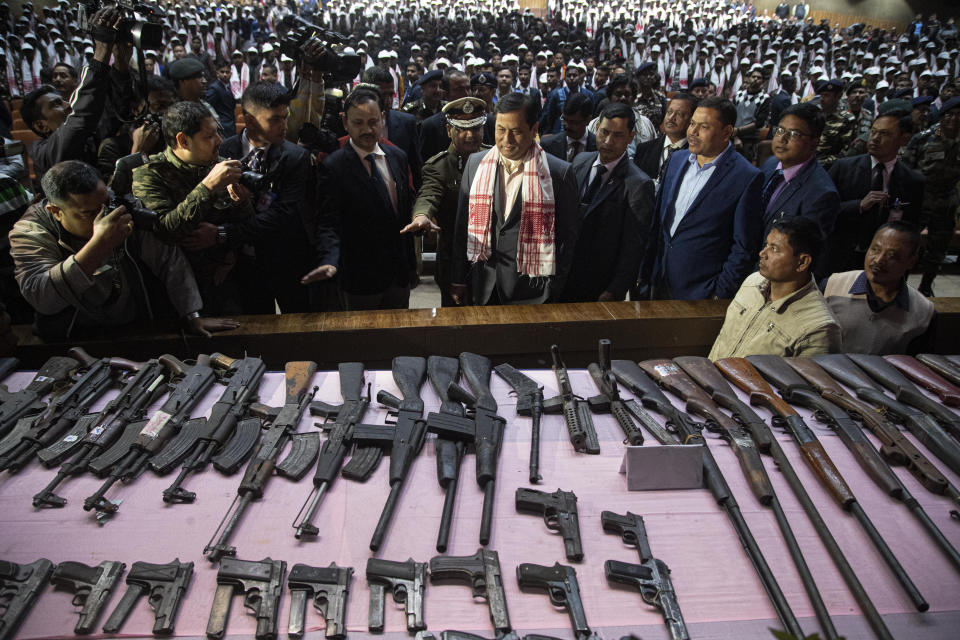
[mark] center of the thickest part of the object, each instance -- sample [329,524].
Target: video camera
[336,66]
[140,26]
[143,219]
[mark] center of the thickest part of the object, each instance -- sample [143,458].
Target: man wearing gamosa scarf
[517,216]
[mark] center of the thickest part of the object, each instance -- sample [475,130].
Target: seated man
[778,309]
[85,269]
[878,312]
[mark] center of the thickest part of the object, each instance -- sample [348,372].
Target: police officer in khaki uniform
[436,206]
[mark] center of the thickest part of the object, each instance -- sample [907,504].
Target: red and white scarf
[239,80]
[536,251]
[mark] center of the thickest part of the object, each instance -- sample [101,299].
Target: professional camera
[143,219]
[336,66]
[140,26]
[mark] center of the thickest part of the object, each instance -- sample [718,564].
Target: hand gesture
[421,224]
[223,174]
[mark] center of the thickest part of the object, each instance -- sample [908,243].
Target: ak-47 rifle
[224,434]
[919,466]
[283,429]
[927,378]
[688,432]
[609,400]
[20,586]
[651,577]
[454,431]
[709,377]
[487,430]
[28,401]
[846,371]
[405,438]
[93,434]
[743,375]
[576,412]
[529,403]
[632,377]
[942,365]
[334,449]
[127,458]
[31,434]
[672,378]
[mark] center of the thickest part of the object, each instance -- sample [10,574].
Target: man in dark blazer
[708,227]
[652,156]
[433,130]
[366,201]
[616,205]
[794,182]
[282,227]
[220,97]
[874,188]
[401,127]
[574,139]
[499,278]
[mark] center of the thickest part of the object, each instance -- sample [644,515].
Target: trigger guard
[558,597]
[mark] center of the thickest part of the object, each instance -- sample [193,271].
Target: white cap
[285,58]
[383,55]
[252,50]
[442,61]
[883,84]
[267,47]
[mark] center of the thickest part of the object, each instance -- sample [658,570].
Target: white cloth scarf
[239,81]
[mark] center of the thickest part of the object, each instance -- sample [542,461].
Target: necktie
[663,165]
[573,150]
[877,183]
[378,181]
[254,159]
[768,189]
[594,187]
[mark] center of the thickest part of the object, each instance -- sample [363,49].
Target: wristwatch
[221,234]
[191,316]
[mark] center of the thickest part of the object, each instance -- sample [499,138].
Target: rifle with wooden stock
[744,376]
[927,378]
[673,378]
[942,365]
[688,433]
[709,377]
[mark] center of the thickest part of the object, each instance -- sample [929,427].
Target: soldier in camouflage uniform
[841,125]
[197,196]
[436,206]
[429,101]
[650,102]
[856,96]
[935,152]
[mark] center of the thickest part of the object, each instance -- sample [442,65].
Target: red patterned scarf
[536,252]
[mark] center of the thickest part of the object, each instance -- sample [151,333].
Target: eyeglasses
[790,134]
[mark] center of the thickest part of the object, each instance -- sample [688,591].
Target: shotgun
[942,365]
[688,432]
[707,376]
[671,377]
[927,378]
[529,403]
[609,400]
[743,375]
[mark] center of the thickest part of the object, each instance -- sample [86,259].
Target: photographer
[189,184]
[85,268]
[67,130]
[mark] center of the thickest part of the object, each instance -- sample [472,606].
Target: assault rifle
[20,586]
[482,572]
[163,584]
[127,458]
[91,588]
[559,511]
[328,587]
[672,378]
[631,376]
[560,583]
[406,581]
[688,432]
[487,430]
[651,577]
[27,401]
[224,434]
[31,434]
[743,375]
[260,583]
[576,412]
[93,434]
[339,437]
[283,429]
[529,403]
[609,400]
[709,377]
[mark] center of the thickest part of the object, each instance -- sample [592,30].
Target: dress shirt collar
[246,146]
[861,286]
[512,166]
[791,173]
[582,141]
[692,159]
[377,151]
[888,166]
[609,165]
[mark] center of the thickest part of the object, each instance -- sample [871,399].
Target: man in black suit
[282,226]
[433,130]
[523,84]
[574,139]
[653,156]
[367,200]
[401,127]
[220,97]
[517,217]
[874,188]
[617,202]
[782,98]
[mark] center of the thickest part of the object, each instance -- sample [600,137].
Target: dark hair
[689,97]
[358,97]
[376,75]
[909,230]
[30,108]
[505,68]
[524,66]
[187,117]
[69,67]
[903,117]
[66,178]
[448,73]
[520,101]
[159,83]
[580,104]
[808,112]
[724,108]
[803,234]
[265,95]
[620,81]
[619,110]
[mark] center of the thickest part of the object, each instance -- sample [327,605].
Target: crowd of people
[688,149]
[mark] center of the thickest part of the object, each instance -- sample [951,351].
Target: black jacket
[648,154]
[221,99]
[402,131]
[556,144]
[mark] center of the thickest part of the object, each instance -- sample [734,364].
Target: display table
[718,590]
